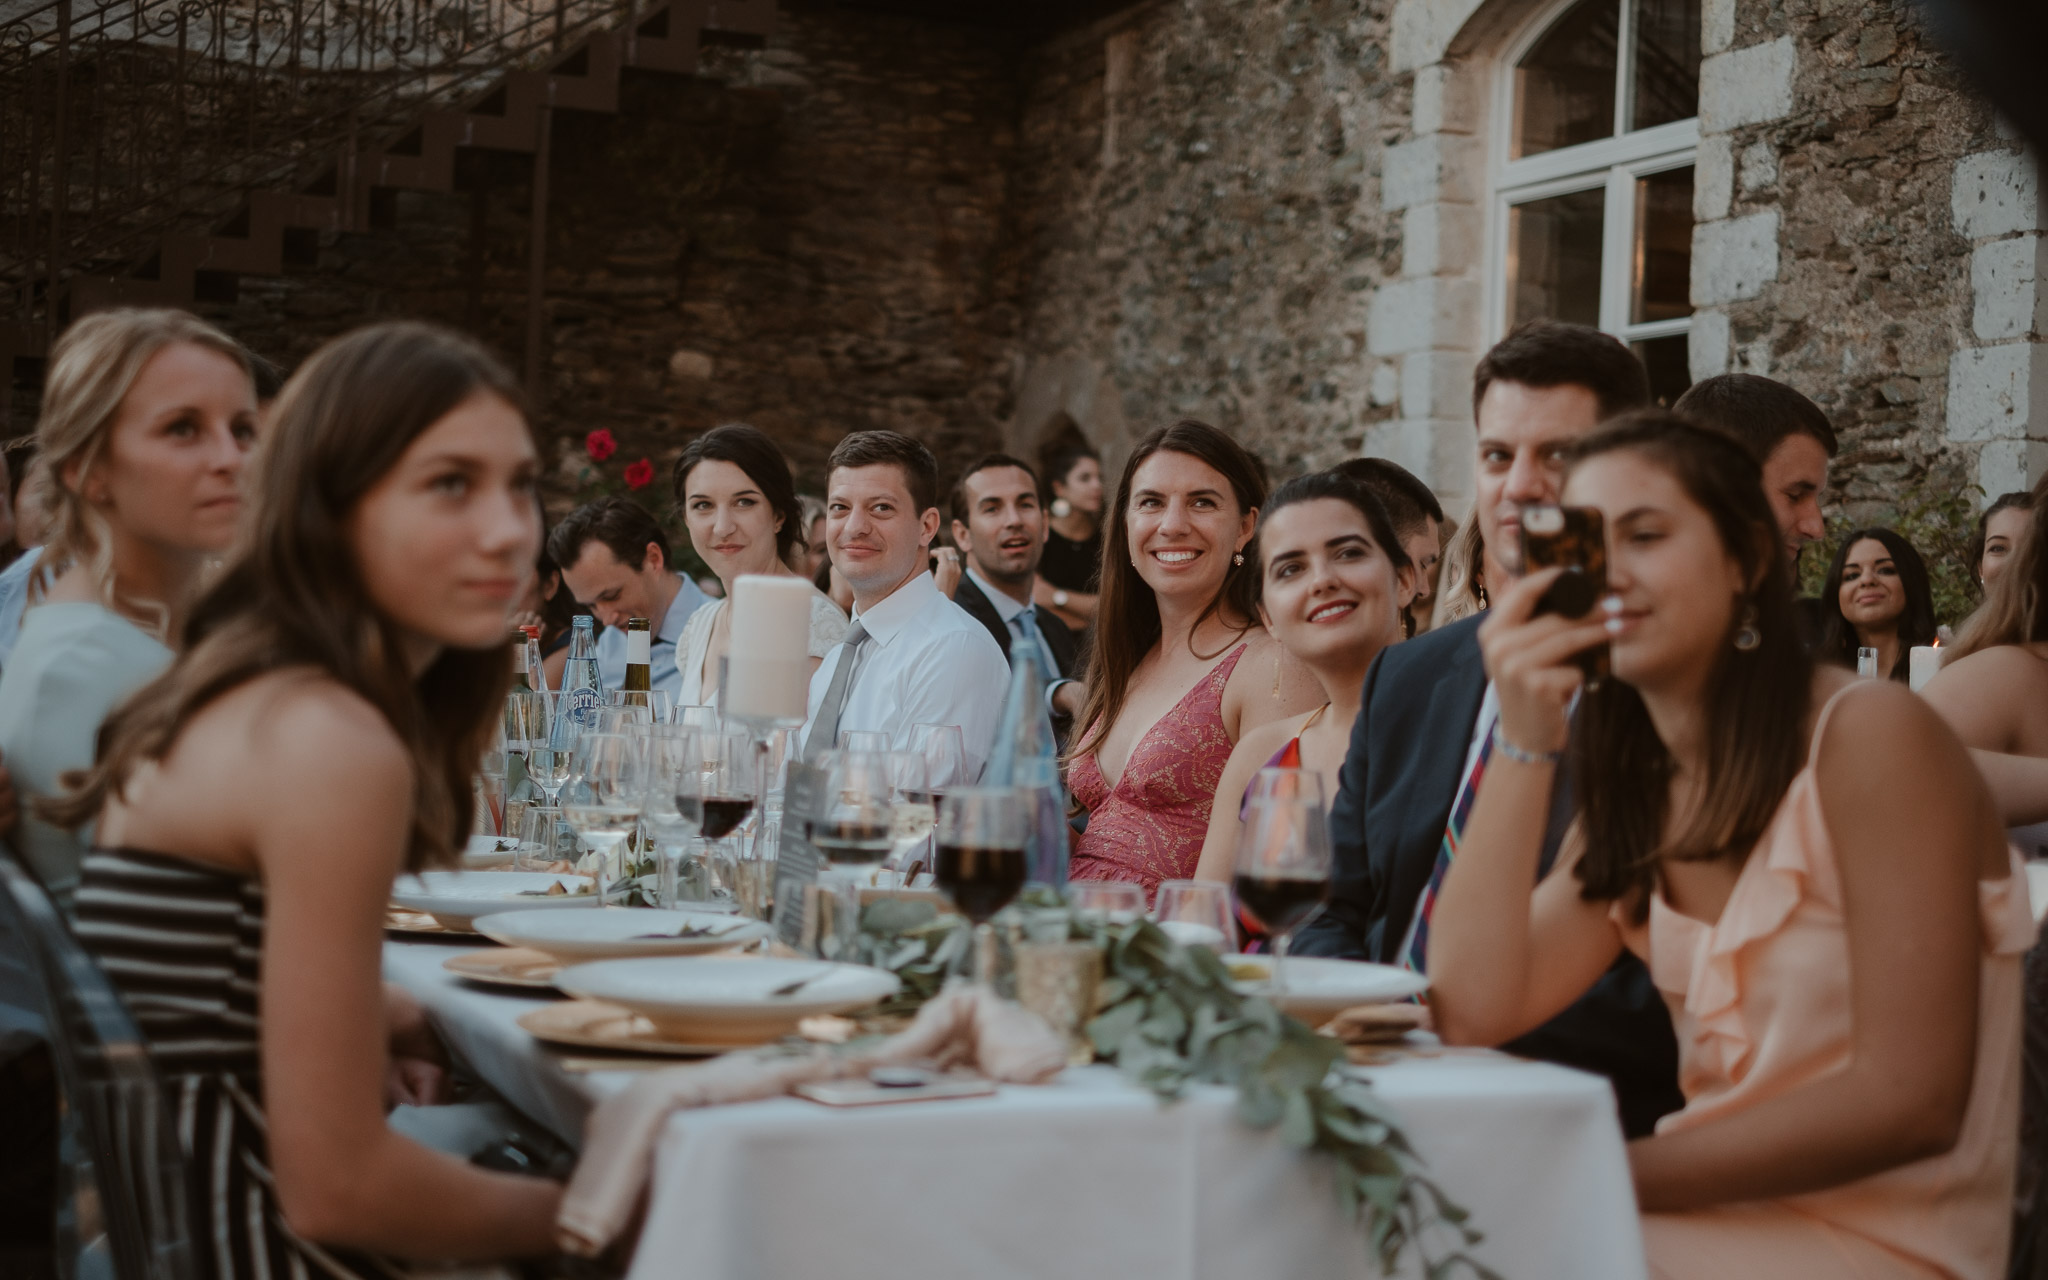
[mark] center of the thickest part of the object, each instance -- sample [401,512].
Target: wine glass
[607,791]
[1196,913]
[1110,901]
[551,755]
[945,755]
[698,716]
[1283,782]
[653,706]
[854,831]
[914,812]
[863,740]
[671,750]
[981,863]
[539,845]
[1283,868]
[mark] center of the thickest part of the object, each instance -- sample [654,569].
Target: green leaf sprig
[1170,1016]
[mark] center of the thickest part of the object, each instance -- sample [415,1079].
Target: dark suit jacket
[1400,778]
[1058,636]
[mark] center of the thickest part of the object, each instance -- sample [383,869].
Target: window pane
[1564,87]
[1663,251]
[1667,70]
[1664,248]
[1670,372]
[1554,257]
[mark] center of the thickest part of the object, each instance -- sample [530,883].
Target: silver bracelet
[1519,756]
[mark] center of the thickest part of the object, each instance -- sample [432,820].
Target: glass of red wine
[980,861]
[1283,865]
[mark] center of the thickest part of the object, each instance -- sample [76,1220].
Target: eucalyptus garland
[1170,1016]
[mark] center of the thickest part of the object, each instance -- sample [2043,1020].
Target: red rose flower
[600,445]
[639,474]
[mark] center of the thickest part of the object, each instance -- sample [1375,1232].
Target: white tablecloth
[1087,1177]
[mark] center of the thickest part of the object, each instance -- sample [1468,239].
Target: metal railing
[123,120]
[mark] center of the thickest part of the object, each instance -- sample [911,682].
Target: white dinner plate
[575,936]
[455,898]
[485,853]
[1319,989]
[726,999]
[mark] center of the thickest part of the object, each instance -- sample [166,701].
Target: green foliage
[1939,522]
[1171,1016]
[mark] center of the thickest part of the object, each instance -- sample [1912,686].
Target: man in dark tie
[1001,530]
[1421,740]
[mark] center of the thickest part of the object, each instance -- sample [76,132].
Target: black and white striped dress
[183,943]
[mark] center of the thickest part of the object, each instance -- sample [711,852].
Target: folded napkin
[962,1027]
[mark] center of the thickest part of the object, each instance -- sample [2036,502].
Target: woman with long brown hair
[1808,863]
[147,420]
[318,736]
[1177,670]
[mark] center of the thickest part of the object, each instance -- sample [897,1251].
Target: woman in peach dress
[1809,865]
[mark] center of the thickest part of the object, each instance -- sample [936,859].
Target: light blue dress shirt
[661,651]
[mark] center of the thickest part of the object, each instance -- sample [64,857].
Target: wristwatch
[1059,599]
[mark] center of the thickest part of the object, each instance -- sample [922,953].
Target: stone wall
[809,237]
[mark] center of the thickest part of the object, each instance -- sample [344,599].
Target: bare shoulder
[1877,718]
[2000,668]
[1269,684]
[1261,742]
[287,722]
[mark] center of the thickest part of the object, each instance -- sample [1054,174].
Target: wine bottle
[520,679]
[582,689]
[1025,756]
[639,648]
[536,666]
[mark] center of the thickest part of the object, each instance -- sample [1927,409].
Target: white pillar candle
[1925,660]
[768,659]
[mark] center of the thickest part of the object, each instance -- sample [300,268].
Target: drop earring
[1237,558]
[1061,508]
[1747,637]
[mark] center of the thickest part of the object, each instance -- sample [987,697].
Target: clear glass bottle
[536,666]
[582,688]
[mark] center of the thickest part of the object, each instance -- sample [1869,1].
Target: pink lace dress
[1149,827]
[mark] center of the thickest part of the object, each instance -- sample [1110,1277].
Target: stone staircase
[509,115]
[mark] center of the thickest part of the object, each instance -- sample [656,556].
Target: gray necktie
[825,725]
[1025,623]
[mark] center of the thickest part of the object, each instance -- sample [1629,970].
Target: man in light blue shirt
[14,598]
[615,558]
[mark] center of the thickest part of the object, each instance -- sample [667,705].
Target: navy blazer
[1400,777]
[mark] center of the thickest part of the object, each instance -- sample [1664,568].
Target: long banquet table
[1086,1177]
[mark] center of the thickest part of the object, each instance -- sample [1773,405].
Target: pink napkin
[963,1027]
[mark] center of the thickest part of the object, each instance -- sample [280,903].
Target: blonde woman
[147,419]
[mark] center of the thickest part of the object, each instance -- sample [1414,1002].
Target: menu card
[796,859]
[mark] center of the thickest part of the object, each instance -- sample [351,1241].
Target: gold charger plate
[400,920]
[596,1024]
[507,967]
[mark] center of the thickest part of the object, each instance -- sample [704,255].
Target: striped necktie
[1418,936]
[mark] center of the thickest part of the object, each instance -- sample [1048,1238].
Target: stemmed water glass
[653,706]
[697,716]
[1283,867]
[863,740]
[525,725]
[606,793]
[981,863]
[945,755]
[551,754]
[913,812]
[671,751]
[1196,913]
[1112,902]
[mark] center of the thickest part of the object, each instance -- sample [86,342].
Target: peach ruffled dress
[1760,1003]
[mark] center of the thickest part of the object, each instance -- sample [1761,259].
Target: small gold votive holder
[1059,982]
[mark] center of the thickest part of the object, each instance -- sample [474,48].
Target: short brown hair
[1409,503]
[1758,412]
[1550,353]
[621,524]
[987,462]
[893,448]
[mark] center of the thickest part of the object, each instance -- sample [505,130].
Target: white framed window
[1596,128]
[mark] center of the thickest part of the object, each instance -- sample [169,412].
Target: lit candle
[1925,661]
[767,674]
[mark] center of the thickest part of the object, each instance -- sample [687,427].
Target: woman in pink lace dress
[1178,670]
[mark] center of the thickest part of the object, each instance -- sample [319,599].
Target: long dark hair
[1317,485]
[750,449]
[294,595]
[1838,642]
[1755,699]
[1127,613]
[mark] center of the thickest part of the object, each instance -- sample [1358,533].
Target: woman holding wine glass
[743,516]
[317,737]
[1332,576]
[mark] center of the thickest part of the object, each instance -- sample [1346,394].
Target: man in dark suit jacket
[1426,711]
[1001,529]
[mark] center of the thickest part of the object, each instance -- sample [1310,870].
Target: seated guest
[1332,572]
[1809,865]
[31,520]
[1178,671]
[148,417]
[740,504]
[615,560]
[1461,589]
[1422,734]
[253,804]
[1418,521]
[811,558]
[1876,597]
[1000,527]
[1999,531]
[1069,574]
[911,656]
